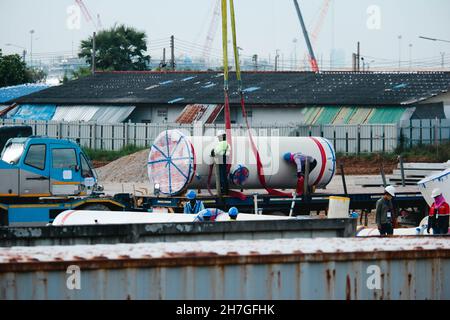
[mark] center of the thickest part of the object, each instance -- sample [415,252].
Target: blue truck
[41,177]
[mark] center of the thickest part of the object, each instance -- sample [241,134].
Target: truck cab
[35,167]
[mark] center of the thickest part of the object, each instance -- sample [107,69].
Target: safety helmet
[233,212]
[191,195]
[287,156]
[207,213]
[390,190]
[220,133]
[436,192]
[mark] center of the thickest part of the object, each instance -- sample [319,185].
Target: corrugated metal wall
[352,115]
[321,268]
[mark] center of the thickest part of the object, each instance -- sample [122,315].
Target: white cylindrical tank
[177,161]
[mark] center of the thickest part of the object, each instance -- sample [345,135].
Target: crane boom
[211,31]
[84,10]
[312,58]
[318,27]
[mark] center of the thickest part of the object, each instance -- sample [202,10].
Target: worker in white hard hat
[385,212]
[220,152]
[438,216]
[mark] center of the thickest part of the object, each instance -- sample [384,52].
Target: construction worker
[220,152]
[193,206]
[211,214]
[300,160]
[439,213]
[385,212]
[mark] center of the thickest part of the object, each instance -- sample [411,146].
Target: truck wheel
[96,207]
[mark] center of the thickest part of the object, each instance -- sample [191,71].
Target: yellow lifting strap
[225,43]
[235,47]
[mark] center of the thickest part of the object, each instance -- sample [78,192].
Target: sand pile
[131,168]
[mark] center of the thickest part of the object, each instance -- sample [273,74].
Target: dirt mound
[131,168]
[361,166]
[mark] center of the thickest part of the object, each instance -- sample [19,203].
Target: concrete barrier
[167,232]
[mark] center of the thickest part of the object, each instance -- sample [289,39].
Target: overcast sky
[263,25]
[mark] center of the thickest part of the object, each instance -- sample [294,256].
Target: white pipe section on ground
[367,232]
[178,161]
[91,217]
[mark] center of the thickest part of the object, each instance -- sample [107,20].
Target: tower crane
[212,30]
[87,15]
[320,21]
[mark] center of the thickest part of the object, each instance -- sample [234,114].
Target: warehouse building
[272,98]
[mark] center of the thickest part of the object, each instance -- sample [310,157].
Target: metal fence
[346,138]
[425,131]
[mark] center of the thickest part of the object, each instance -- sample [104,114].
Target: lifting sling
[255,151]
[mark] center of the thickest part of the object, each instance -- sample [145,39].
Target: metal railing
[346,138]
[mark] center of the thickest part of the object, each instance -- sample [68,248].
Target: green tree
[119,48]
[13,70]
[81,72]
[36,75]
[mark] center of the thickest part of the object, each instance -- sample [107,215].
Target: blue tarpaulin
[14,92]
[32,112]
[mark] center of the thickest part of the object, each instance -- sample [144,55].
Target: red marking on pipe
[324,159]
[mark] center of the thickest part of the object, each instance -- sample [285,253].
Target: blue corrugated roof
[14,92]
[33,112]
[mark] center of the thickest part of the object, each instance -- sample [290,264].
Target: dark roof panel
[266,88]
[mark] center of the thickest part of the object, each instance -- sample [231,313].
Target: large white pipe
[178,161]
[92,217]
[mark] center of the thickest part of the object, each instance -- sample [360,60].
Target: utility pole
[172,53]
[358,56]
[410,56]
[93,53]
[442,59]
[276,60]
[354,61]
[24,51]
[399,51]
[31,47]
[163,62]
[255,61]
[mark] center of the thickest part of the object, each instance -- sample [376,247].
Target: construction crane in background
[312,58]
[211,31]
[320,21]
[87,15]
[99,22]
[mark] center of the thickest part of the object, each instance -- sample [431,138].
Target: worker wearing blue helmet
[211,214]
[299,160]
[193,206]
